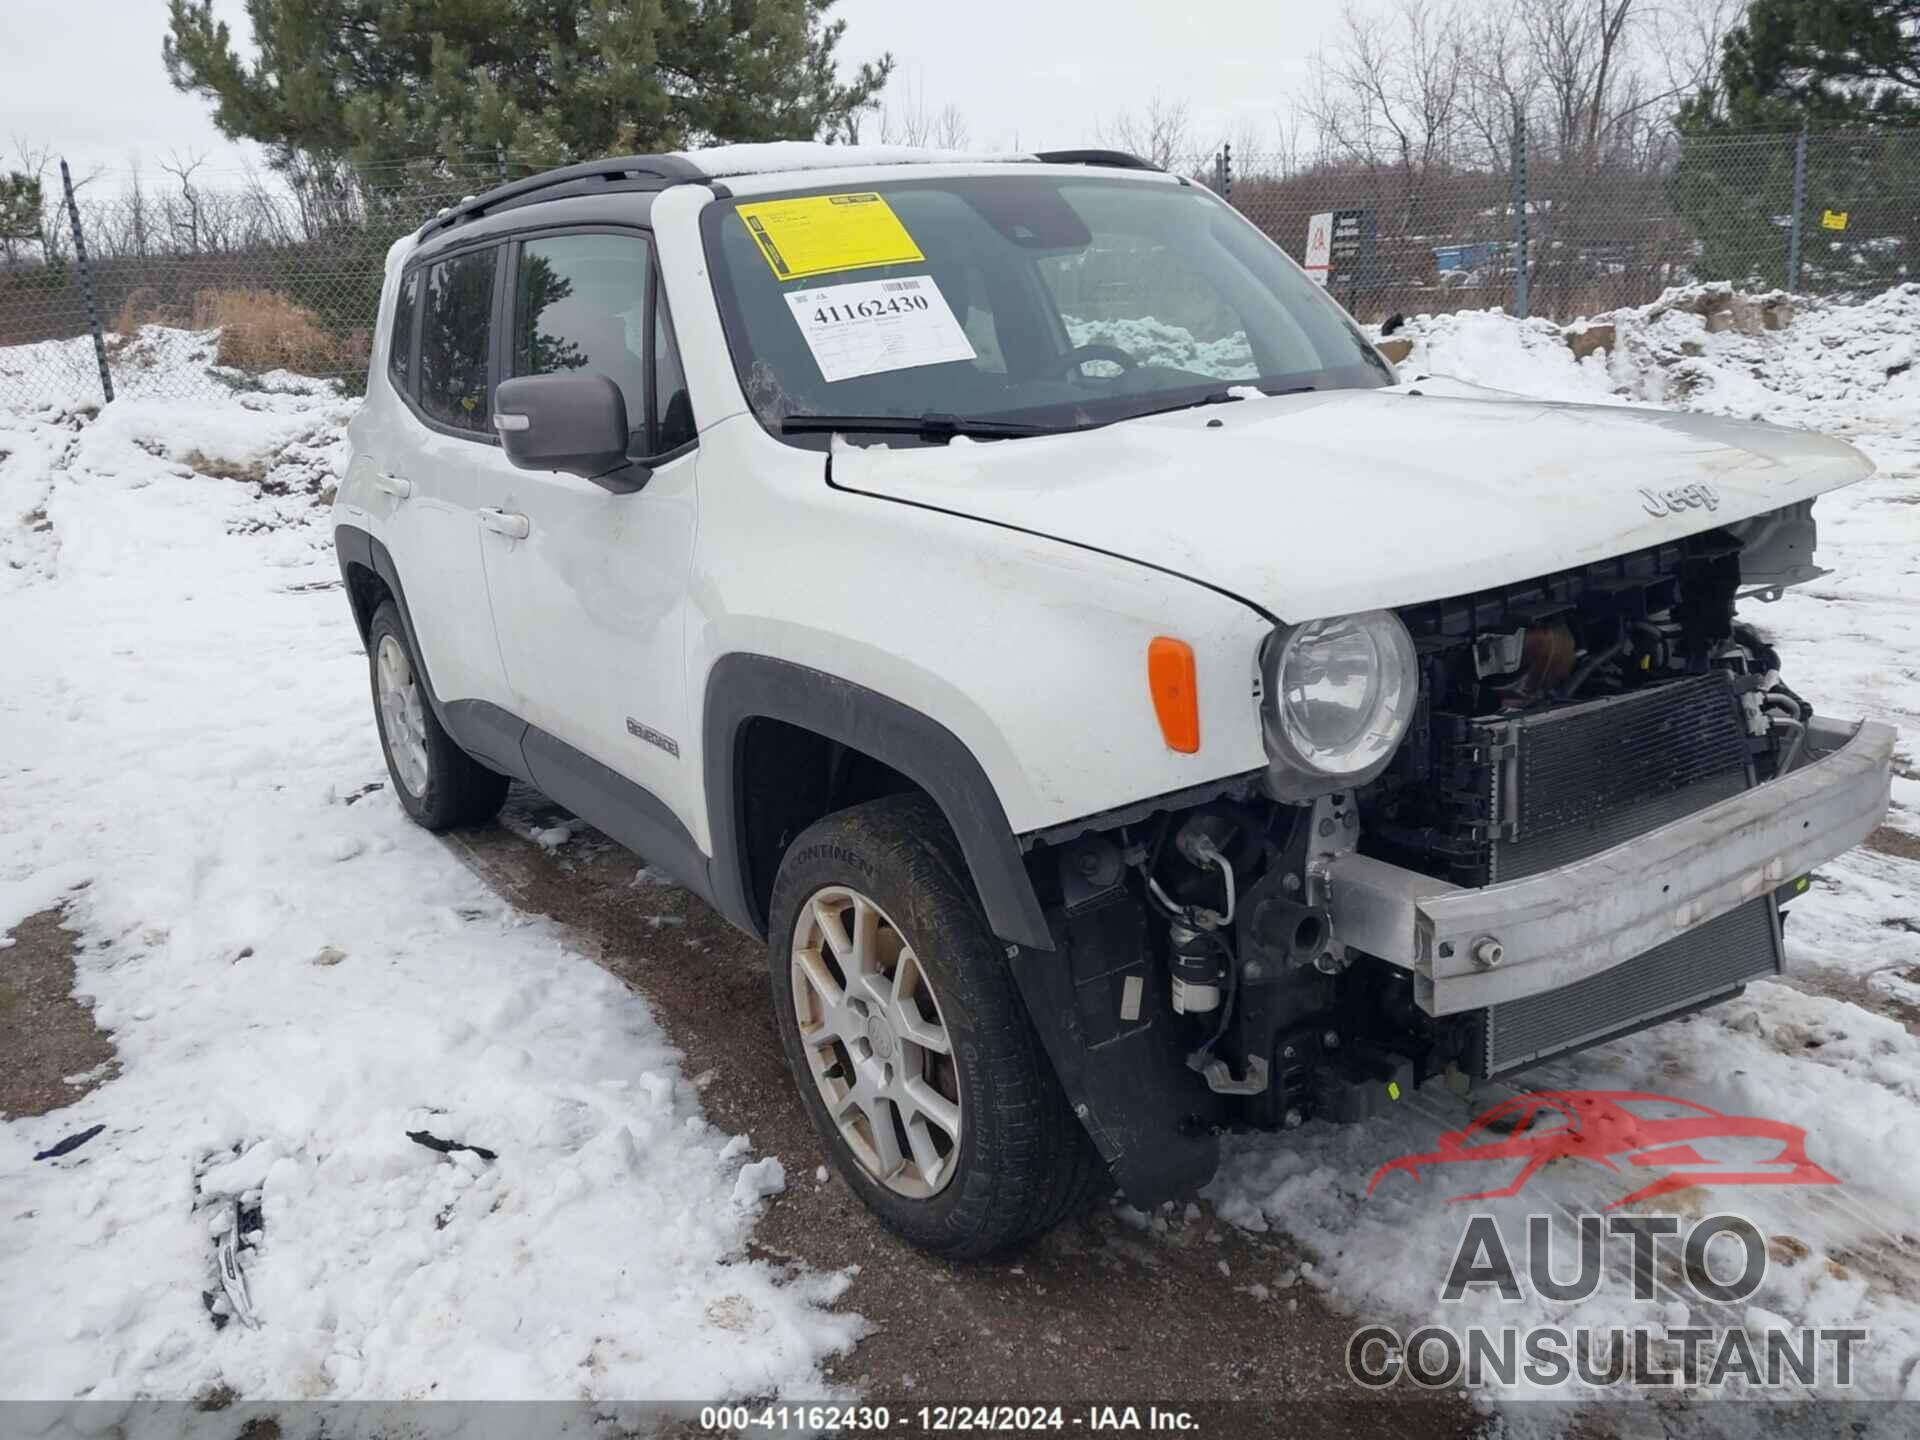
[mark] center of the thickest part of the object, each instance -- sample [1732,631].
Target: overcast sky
[84,76]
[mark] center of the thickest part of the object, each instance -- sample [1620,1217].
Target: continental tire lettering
[839,855]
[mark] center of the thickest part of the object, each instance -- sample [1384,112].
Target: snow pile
[155,362]
[1833,1048]
[297,979]
[1833,366]
[1154,342]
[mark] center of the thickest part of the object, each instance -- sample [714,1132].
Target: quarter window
[455,338]
[400,351]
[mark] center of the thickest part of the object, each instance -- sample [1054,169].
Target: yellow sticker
[1393,1089]
[824,233]
[1836,219]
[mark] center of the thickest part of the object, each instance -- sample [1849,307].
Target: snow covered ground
[1833,1049]
[295,981]
[295,977]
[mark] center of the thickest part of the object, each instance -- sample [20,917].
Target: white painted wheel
[402,718]
[875,1043]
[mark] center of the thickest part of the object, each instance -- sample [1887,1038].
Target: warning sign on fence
[1340,247]
[1319,246]
[1835,219]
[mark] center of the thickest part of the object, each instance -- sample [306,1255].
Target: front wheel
[907,1035]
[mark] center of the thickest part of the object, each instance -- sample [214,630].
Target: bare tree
[1161,132]
[1579,51]
[136,231]
[1688,36]
[950,128]
[185,213]
[911,122]
[1390,95]
[1415,83]
[1389,90]
[1298,143]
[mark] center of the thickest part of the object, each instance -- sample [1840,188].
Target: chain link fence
[1560,237]
[242,283]
[206,284]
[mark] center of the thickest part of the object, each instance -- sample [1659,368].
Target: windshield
[1028,301]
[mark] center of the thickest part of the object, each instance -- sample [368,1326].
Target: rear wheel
[907,1035]
[438,783]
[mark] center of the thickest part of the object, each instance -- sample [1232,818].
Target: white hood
[1322,504]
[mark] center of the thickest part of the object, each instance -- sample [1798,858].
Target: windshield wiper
[928,427]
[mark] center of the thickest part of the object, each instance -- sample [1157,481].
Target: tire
[439,785]
[1022,1163]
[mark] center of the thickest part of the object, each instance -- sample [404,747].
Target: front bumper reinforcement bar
[1473,947]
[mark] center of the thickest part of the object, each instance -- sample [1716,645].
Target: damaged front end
[1497,828]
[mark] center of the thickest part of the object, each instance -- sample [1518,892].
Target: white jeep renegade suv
[1014,590]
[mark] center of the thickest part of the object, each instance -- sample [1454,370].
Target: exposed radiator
[1564,784]
[1585,777]
[1709,962]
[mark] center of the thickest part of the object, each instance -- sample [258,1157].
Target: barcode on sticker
[900,285]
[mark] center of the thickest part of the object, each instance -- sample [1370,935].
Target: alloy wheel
[401,716]
[878,1050]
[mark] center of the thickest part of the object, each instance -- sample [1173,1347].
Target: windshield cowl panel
[1012,305]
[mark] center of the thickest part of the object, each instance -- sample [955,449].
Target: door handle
[395,485]
[504,522]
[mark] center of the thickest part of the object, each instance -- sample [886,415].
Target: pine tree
[1849,72]
[20,202]
[1832,64]
[379,82]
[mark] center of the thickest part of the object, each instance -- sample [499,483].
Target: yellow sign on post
[825,233]
[1835,219]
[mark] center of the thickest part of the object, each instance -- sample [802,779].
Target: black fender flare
[484,731]
[743,687]
[352,547]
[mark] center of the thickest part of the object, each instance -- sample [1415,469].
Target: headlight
[1340,695]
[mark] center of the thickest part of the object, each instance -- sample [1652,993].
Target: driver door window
[585,303]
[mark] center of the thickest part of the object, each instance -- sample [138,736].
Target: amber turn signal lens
[1176,697]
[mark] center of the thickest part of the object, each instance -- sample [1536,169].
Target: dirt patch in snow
[1897,843]
[1115,1303]
[54,1053]
[250,472]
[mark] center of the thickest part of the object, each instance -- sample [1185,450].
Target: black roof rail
[616,172]
[1114,159]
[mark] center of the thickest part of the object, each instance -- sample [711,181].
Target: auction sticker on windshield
[823,233]
[872,326]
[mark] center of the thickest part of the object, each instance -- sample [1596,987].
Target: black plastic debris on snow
[447,1147]
[69,1145]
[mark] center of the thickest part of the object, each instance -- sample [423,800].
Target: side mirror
[568,422]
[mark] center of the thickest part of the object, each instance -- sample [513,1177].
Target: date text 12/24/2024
[945,1419]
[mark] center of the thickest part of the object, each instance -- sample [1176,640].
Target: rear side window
[455,336]
[582,304]
[400,350]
